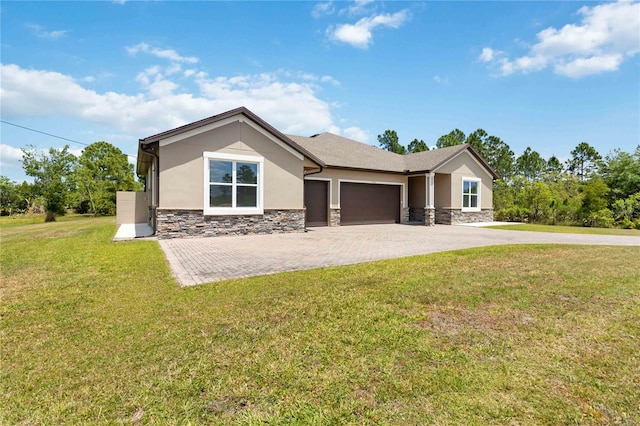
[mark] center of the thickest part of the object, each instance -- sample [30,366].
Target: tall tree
[530,165]
[497,153]
[52,176]
[102,171]
[478,140]
[453,138]
[594,201]
[389,141]
[621,173]
[417,146]
[10,199]
[584,160]
[537,198]
[30,196]
[553,168]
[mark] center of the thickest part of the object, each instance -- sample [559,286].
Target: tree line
[587,189]
[61,181]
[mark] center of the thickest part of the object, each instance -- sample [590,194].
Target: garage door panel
[363,203]
[316,201]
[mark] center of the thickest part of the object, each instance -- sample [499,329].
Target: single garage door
[316,201]
[364,203]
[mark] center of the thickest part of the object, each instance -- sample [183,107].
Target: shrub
[601,219]
[513,214]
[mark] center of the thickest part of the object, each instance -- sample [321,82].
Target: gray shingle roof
[329,150]
[429,160]
[338,151]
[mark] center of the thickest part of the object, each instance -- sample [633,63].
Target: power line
[52,135]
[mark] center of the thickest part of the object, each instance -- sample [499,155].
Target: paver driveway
[202,260]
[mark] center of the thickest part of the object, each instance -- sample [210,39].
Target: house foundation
[193,223]
[416,214]
[334,217]
[457,216]
[429,216]
[405,214]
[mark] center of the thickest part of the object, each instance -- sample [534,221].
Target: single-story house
[233,173]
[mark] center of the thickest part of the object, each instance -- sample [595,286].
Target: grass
[95,332]
[30,219]
[567,229]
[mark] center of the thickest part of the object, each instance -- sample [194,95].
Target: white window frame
[259,209]
[479,182]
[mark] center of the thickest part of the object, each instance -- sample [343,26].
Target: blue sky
[548,75]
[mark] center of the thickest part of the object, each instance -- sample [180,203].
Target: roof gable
[239,114]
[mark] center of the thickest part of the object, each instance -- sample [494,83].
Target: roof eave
[364,169]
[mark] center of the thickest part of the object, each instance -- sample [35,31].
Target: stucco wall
[132,207]
[417,192]
[182,167]
[336,175]
[463,166]
[442,190]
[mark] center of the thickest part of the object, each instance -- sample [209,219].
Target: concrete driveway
[203,260]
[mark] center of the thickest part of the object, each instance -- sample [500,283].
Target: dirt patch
[453,320]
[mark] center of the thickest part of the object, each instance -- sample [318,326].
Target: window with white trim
[471,194]
[233,184]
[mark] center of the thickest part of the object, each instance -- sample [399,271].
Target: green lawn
[95,332]
[567,229]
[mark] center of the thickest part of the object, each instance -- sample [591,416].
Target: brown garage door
[315,200]
[363,203]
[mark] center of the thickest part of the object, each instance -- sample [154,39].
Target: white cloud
[169,54]
[587,66]
[608,34]
[329,79]
[322,9]
[43,33]
[357,134]
[487,55]
[290,104]
[360,34]
[440,80]
[359,7]
[10,160]
[7,152]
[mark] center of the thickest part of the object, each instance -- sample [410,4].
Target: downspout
[305,207]
[155,189]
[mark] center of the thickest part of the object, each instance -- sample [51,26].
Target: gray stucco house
[233,173]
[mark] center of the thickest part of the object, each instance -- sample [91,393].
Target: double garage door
[360,203]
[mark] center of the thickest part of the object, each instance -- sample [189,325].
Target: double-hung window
[471,194]
[233,184]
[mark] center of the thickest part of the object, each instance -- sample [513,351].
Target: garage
[366,203]
[316,199]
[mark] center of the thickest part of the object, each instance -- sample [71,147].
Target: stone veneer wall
[416,214]
[424,215]
[404,215]
[429,216]
[456,216]
[193,223]
[334,217]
